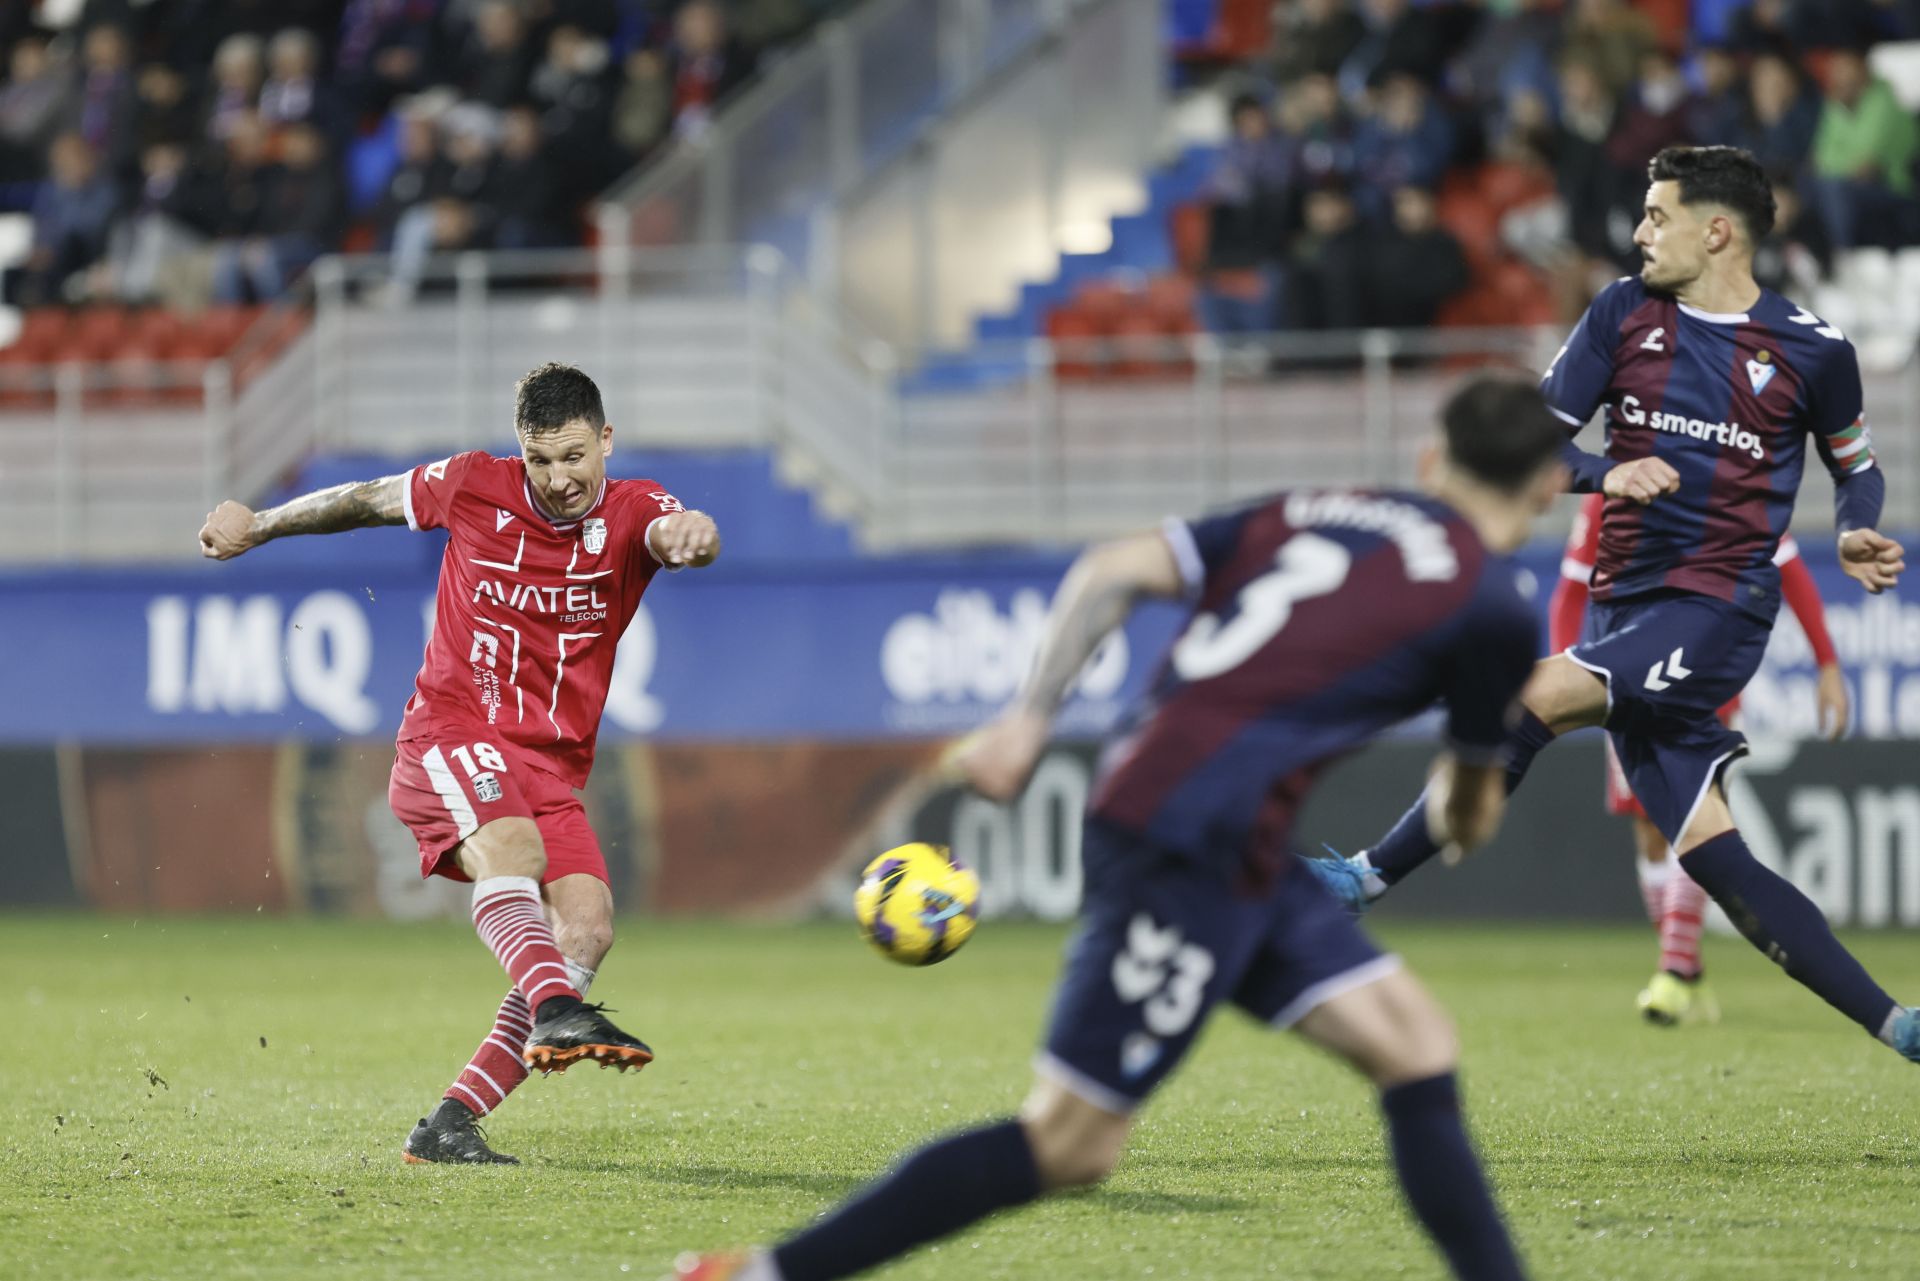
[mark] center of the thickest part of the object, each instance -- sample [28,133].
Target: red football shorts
[1620,798]
[446,788]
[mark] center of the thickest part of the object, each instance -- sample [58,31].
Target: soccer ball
[917,904]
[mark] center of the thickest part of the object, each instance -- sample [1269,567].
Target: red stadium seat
[99,332]
[43,332]
[1169,298]
[1077,353]
[1103,303]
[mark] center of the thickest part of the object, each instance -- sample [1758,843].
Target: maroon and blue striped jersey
[1320,618]
[1729,400]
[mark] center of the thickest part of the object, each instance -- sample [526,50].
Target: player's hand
[1835,706]
[228,531]
[1873,560]
[997,761]
[686,538]
[1642,480]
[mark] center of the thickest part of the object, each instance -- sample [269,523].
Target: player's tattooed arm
[1095,597]
[233,528]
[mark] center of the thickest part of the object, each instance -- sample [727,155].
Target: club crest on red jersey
[593,533]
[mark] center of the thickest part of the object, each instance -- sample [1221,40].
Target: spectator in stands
[498,61]
[1780,116]
[1403,40]
[166,110]
[1315,129]
[1511,53]
[571,85]
[1327,273]
[1863,155]
[298,218]
[1405,140]
[1313,38]
[102,111]
[384,53]
[32,101]
[523,192]
[1719,102]
[1584,174]
[1793,259]
[71,217]
[1654,117]
[467,135]
[707,63]
[421,172]
[1612,38]
[235,93]
[154,253]
[293,93]
[239,188]
[1761,27]
[643,110]
[1413,265]
[1247,199]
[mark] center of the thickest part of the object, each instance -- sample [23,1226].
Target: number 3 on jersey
[1306,566]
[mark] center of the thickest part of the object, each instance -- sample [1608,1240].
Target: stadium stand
[1529,127]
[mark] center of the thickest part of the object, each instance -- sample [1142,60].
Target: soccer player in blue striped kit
[1320,618]
[1713,387]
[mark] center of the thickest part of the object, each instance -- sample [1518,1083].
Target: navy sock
[1442,1179]
[1408,845]
[939,1189]
[1782,922]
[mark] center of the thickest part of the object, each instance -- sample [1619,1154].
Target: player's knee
[1075,1158]
[586,942]
[1074,1143]
[1420,1040]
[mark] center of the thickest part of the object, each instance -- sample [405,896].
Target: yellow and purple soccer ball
[917,904]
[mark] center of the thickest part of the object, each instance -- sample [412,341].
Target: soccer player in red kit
[545,567]
[1675,903]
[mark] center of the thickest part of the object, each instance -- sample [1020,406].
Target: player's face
[566,467]
[1671,240]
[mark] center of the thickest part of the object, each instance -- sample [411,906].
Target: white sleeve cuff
[647,538]
[406,498]
[1567,418]
[1577,571]
[1787,550]
[1186,553]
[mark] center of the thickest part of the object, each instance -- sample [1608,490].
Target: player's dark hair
[552,396]
[1727,176]
[1500,431]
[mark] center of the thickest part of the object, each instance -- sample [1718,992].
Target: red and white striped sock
[1680,925]
[496,1067]
[508,913]
[1654,879]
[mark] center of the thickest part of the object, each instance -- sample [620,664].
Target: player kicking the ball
[1714,386]
[1675,903]
[1319,619]
[545,566]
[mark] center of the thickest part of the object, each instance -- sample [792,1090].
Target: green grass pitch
[222,1099]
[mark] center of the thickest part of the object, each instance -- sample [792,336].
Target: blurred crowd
[1351,135]
[187,151]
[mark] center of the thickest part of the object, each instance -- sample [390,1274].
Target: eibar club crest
[1760,371]
[593,533]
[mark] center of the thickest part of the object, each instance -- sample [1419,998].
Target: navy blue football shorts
[1671,662]
[1164,939]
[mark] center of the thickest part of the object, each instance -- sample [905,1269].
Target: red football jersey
[529,611]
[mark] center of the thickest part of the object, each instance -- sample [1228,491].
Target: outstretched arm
[1095,597]
[686,539]
[233,528]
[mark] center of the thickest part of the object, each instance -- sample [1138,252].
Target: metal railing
[1033,441]
[994,129]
